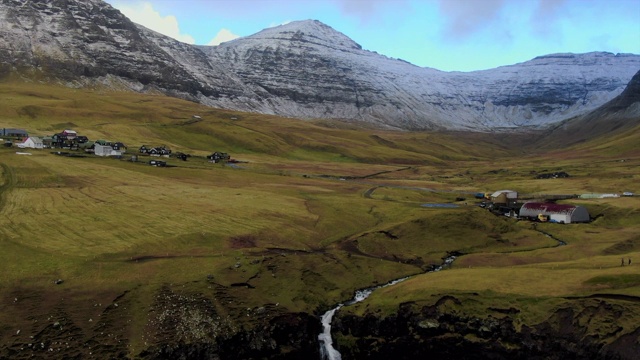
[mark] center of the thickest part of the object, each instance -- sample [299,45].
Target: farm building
[13,132]
[32,142]
[555,212]
[504,197]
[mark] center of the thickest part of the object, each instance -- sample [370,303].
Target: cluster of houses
[69,139]
[219,157]
[505,202]
[155,151]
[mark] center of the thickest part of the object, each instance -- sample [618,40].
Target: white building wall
[561,218]
[101,150]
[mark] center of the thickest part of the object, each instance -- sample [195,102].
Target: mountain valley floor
[109,258]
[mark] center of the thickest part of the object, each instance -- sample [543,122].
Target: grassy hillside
[316,211]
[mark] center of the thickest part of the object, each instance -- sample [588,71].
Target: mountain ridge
[304,69]
[620,114]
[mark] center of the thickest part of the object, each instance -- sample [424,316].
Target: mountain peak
[306,31]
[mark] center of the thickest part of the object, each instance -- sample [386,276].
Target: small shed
[561,213]
[504,196]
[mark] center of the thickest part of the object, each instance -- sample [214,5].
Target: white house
[106,150]
[32,142]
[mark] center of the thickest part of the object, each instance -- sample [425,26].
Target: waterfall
[327,351]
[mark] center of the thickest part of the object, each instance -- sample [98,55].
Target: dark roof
[9,131]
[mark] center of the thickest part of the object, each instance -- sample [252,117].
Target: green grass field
[316,211]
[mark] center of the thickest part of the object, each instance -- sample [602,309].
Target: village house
[68,139]
[218,157]
[155,151]
[505,197]
[69,134]
[31,142]
[105,148]
[57,140]
[119,146]
[46,141]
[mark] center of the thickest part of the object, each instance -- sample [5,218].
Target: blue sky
[449,35]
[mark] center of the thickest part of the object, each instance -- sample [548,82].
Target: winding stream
[327,351]
[560,242]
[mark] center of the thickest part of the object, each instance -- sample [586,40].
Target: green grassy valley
[97,252]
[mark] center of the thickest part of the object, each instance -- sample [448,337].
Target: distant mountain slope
[304,69]
[620,114]
[308,69]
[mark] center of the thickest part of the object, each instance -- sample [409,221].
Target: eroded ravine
[327,351]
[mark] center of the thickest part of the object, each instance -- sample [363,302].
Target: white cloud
[144,14]
[466,17]
[222,36]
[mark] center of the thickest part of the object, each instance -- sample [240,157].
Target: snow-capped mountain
[304,69]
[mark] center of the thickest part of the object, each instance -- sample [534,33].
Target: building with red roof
[561,213]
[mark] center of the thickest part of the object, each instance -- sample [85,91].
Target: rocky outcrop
[83,43]
[178,324]
[190,326]
[303,69]
[580,329]
[287,336]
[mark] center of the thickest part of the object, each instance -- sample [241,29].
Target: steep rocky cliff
[587,328]
[303,69]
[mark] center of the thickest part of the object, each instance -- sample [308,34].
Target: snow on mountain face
[294,74]
[304,69]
